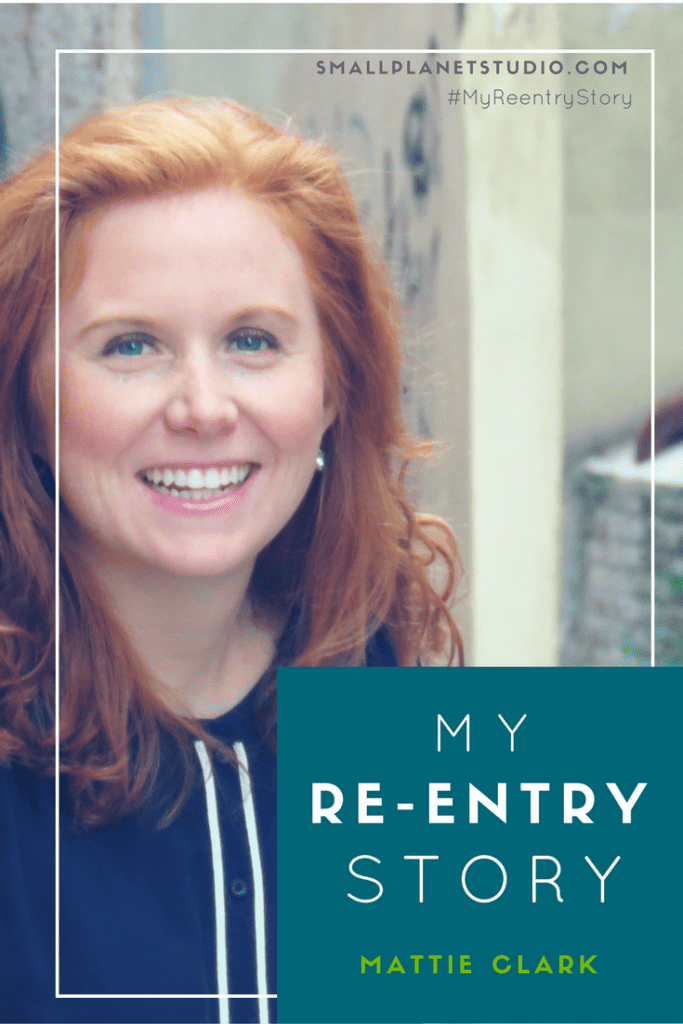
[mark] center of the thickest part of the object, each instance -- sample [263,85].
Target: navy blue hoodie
[188,910]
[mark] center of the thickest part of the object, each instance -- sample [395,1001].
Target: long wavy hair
[354,556]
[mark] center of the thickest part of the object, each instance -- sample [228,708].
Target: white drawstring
[218,883]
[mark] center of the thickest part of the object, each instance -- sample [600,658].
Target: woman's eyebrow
[246,314]
[145,322]
[109,321]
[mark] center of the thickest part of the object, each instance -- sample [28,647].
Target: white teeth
[196,484]
[195,478]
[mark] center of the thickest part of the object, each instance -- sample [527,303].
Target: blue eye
[251,340]
[129,345]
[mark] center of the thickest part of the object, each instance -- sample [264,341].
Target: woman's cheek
[90,421]
[295,413]
[303,427]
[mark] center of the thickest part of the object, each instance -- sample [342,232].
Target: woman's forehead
[216,227]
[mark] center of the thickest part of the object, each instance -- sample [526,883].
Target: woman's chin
[203,564]
[196,558]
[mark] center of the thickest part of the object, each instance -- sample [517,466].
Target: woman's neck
[198,636]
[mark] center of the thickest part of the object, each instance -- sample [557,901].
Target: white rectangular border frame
[57,53]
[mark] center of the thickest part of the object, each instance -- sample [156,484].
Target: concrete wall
[515,179]
[29,35]
[607,389]
[607,226]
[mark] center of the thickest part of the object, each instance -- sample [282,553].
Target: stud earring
[320,460]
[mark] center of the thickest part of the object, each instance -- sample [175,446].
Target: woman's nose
[203,401]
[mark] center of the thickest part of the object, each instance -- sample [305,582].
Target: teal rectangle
[583,726]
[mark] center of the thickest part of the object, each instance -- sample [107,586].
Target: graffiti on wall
[412,235]
[396,174]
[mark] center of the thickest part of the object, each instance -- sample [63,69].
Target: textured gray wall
[609,578]
[29,36]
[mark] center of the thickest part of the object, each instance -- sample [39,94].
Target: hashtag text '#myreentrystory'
[566,100]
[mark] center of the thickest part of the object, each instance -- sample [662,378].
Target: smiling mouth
[197,484]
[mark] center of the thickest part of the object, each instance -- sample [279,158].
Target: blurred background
[519,237]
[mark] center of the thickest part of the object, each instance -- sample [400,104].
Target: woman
[232,491]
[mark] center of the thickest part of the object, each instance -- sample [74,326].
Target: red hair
[354,556]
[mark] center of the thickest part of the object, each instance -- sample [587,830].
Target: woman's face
[192,400]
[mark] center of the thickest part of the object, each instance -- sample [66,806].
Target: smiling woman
[195,335]
[232,461]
